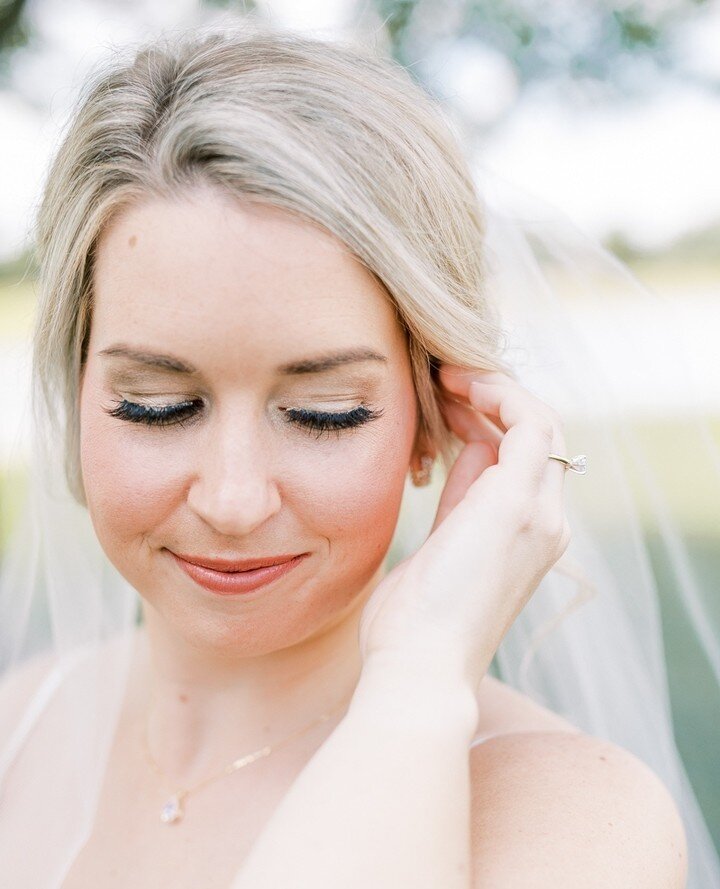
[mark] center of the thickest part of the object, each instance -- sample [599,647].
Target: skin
[235,292]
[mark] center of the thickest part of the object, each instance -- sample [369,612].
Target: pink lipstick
[230,577]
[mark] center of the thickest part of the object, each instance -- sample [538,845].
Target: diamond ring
[577,464]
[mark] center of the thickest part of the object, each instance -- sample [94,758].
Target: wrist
[416,692]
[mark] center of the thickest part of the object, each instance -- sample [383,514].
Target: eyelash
[332,421]
[177,414]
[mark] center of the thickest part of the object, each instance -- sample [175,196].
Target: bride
[262,305]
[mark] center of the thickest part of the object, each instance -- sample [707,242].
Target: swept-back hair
[325,129]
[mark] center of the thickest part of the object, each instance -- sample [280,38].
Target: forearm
[385,802]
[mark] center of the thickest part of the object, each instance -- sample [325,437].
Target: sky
[646,170]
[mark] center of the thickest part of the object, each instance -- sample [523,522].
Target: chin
[228,628]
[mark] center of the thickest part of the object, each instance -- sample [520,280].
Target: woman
[262,304]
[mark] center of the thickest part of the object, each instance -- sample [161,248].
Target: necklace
[173,809]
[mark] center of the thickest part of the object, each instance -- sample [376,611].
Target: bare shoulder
[563,809]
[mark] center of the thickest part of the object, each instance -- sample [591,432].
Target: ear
[422,446]
[416,460]
[421,460]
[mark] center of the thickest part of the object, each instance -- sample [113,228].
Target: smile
[224,577]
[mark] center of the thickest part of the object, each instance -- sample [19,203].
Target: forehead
[205,274]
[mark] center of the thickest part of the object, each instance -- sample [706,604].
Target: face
[247,393]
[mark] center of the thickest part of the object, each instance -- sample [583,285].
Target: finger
[469,424]
[533,430]
[456,379]
[472,461]
[455,382]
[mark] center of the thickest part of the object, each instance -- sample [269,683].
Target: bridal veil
[590,643]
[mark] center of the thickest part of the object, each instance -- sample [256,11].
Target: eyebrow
[317,364]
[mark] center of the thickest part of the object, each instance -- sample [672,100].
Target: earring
[421,477]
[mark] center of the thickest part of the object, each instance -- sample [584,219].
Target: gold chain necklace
[173,808]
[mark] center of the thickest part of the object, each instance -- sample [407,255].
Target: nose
[233,489]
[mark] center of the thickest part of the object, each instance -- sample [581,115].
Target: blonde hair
[327,130]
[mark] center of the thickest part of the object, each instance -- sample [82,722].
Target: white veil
[604,665]
[589,644]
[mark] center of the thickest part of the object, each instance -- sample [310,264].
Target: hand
[499,528]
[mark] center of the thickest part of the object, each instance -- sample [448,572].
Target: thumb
[472,461]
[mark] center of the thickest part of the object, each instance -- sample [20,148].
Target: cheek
[360,494]
[130,486]
[353,488]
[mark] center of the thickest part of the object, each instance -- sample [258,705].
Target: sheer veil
[590,642]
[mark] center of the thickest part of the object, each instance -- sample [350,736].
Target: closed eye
[151,415]
[320,422]
[327,422]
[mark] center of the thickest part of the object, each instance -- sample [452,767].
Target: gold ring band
[576,464]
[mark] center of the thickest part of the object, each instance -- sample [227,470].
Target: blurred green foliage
[12,25]
[595,40]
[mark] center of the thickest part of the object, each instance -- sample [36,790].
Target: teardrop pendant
[172,811]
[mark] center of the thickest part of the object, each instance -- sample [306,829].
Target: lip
[232,577]
[235,564]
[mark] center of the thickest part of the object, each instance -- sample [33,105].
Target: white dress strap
[478,739]
[37,705]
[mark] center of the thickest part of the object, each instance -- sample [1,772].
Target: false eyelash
[314,421]
[329,422]
[165,415]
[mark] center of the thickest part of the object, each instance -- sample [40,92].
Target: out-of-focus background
[607,111]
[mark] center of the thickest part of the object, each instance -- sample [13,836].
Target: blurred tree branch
[618,43]
[609,42]
[12,30]
[242,6]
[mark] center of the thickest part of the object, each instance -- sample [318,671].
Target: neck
[200,712]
